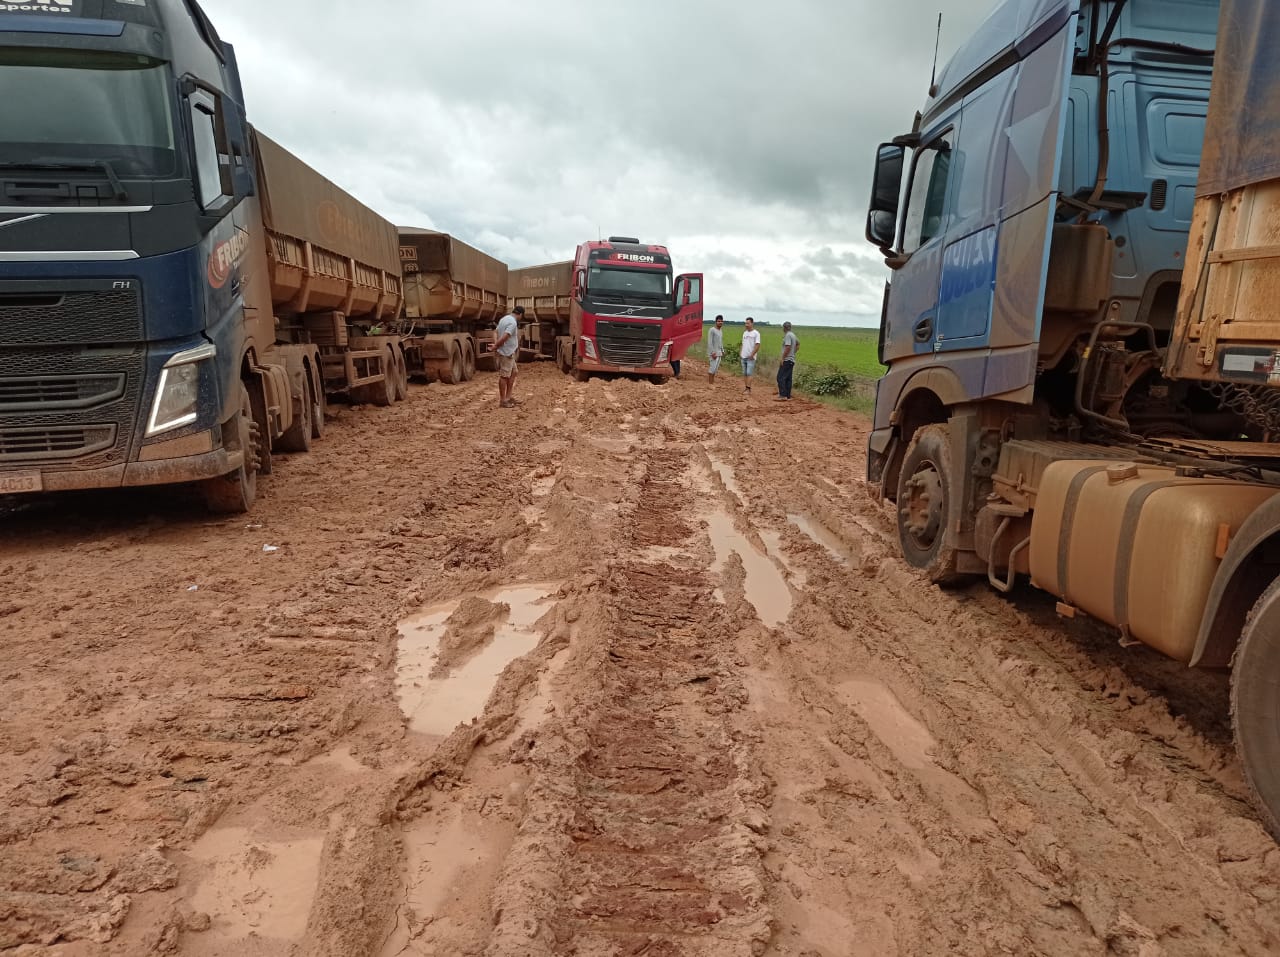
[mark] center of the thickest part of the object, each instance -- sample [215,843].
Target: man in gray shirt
[715,348]
[506,344]
[787,367]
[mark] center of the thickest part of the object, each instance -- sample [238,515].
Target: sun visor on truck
[1242,134]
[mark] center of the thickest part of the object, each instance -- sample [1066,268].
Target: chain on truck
[1081,335]
[178,293]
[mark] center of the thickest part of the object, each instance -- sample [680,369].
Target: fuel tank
[1136,546]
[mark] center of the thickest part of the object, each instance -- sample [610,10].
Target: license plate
[15,483]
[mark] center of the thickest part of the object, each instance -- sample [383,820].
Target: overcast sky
[739,135]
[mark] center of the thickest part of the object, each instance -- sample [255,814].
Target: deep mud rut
[714,714]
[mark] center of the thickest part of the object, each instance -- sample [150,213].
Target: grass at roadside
[836,366]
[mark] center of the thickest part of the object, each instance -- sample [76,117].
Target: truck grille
[69,407]
[34,315]
[628,343]
[56,442]
[27,393]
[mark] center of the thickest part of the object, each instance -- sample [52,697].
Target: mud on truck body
[1083,348]
[178,294]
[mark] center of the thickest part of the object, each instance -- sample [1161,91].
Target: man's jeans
[785,371]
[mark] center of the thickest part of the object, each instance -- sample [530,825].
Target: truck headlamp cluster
[589,349]
[178,391]
[665,353]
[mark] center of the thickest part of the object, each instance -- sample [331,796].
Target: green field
[824,354]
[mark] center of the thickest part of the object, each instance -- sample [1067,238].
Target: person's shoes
[509,404]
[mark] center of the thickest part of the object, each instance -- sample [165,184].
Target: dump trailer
[544,292]
[454,296]
[614,308]
[178,294]
[1081,330]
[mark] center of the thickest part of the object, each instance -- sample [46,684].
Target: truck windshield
[80,106]
[629,282]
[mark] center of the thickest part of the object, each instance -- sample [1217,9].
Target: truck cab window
[209,161]
[927,204]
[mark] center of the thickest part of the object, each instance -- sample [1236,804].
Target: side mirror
[886,188]
[881,227]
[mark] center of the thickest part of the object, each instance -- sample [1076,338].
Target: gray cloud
[741,137]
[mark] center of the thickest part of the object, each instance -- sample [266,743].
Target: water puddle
[773,545]
[908,739]
[435,705]
[255,888]
[766,588]
[821,535]
[436,854]
[727,475]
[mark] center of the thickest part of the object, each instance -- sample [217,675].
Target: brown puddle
[766,588]
[908,739]
[727,476]
[821,535]
[435,706]
[255,890]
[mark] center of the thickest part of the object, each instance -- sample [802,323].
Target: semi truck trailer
[178,293]
[615,308]
[1081,330]
[454,296]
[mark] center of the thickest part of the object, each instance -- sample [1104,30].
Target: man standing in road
[787,367]
[506,344]
[750,351]
[715,348]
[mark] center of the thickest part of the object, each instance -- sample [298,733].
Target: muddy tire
[400,371]
[580,376]
[318,410]
[564,359]
[924,505]
[451,374]
[659,379]
[234,493]
[469,362]
[297,438]
[1255,706]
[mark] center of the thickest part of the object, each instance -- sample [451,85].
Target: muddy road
[629,670]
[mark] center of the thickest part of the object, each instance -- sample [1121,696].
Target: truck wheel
[452,373]
[400,383]
[384,393]
[564,359]
[468,362]
[234,493]
[1255,706]
[924,502]
[297,438]
[319,406]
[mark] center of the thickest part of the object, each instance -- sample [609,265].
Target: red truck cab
[628,314]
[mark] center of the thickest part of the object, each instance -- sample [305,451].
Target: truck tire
[297,438]
[400,369]
[924,502]
[234,493]
[1255,706]
[452,373]
[564,359]
[321,403]
[468,362]
[383,393]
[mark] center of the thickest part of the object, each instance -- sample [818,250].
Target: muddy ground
[631,670]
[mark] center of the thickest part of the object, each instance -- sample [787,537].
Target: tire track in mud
[644,816]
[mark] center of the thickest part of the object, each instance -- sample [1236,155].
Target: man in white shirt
[750,351]
[506,344]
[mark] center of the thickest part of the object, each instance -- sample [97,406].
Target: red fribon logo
[225,256]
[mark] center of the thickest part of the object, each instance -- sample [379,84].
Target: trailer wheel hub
[923,508]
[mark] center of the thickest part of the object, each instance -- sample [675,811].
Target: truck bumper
[586,365]
[159,468]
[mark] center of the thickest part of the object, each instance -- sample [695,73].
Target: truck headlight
[589,348]
[666,351]
[178,391]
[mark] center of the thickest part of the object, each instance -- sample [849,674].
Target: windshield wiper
[103,166]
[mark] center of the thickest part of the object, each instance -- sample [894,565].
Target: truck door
[686,327]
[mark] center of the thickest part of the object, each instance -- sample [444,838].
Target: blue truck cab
[1035,218]
[126,209]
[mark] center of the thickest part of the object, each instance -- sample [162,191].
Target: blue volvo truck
[1078,334]
[178,294]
